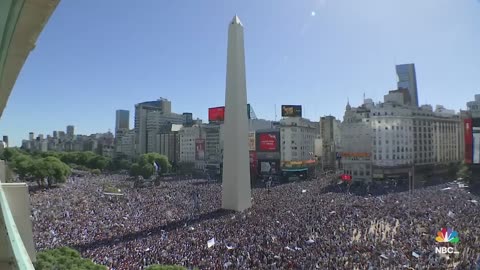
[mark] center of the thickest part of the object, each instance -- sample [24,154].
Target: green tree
[97,162]
[64,258]
[9,153]
[161,160]
[51,168]
[165,267]
[22,165]
[135,170]
[96,171]
[464,171]
[147,171]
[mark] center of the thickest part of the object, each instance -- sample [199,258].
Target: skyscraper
[122,120]
[163,106]
[5,140]
[236,190]
[70,131]
[407,79]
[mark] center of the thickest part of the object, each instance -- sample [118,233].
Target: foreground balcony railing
[13,254]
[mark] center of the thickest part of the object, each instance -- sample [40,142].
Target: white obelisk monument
[236,191]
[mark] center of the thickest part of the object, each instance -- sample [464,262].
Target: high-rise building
[407,79]
[70,131]
[55,134]
[162,106]
[31,136]
[122,120]
[5,140]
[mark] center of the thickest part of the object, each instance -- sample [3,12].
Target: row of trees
[67,258]
[44,170]
[56,166]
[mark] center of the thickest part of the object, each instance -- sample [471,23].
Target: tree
[135,170]
[64,258]
[165,267]
[9,153]
[147,171]
[464,171]
[96,171]
[22,165]
[161,160]
[51,168]
[97,162]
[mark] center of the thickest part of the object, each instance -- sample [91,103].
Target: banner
[251,141]
[199,149]
[291,111]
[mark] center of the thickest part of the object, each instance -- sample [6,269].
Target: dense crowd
[292,226]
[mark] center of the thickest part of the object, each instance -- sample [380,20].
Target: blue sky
[94,57]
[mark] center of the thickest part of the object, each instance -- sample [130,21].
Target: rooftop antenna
[363,97]
[275,111]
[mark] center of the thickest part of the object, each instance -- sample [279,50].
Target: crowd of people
[298,225]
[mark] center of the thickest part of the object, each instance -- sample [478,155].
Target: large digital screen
[291,111]
[268,141]
[216,114]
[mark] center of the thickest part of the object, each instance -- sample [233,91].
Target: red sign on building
[268,142]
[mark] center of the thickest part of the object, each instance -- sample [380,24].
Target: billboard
[216,114]
[199,149]
[251,141]
[468,140]
[269,166]
[291,111]
[268,141]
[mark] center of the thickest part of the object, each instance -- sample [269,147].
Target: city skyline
[320,57]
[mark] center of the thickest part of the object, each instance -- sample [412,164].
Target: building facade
[297,139]
[390,138]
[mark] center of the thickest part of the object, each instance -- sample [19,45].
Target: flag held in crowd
[211,242]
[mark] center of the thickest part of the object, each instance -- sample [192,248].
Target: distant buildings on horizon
[375,140]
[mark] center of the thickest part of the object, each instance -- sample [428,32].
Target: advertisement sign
[291,111]
[468,140]
[216,114]
[268,141]
[355,154]
[199,149]
[269,166]
[251,141]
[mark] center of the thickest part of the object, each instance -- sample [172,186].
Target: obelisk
[236,190]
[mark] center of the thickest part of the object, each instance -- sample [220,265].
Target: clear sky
[94,57]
